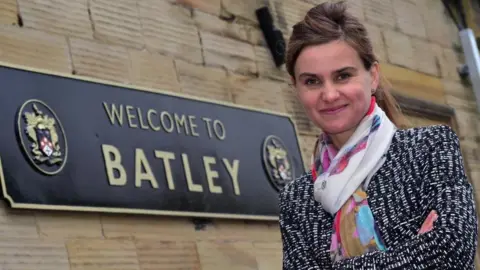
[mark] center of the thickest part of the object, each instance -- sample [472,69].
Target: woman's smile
[333,110]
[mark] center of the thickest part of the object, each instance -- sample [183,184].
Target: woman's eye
[343,76]
[311,81]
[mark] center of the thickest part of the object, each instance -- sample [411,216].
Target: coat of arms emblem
[42,137]
[277,162]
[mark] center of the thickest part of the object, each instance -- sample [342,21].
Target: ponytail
[387,102]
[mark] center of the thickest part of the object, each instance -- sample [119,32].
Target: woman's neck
[340,139]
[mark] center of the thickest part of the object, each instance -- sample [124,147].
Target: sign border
[16,205]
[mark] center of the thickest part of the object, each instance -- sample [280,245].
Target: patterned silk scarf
[341,178]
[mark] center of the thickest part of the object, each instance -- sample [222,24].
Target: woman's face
[333,86]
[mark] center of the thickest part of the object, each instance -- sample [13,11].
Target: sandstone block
[471,154]
[264,231]
[409,18]
[400,50]
[266,65]
[376,37]
[117,22]
[461,97]
[23,254]
[478,126]
[68,225]
[452,61]
[34,49]
[169,29]
[475,180]
[414,84]
[201,81]
[357,8]
[100,60]
[168,255]
[61,17]
[226,255]
[209,6]
[477,258]
[315,2]
[380,12]
[8,12]
[237,65]
[153,70]
[228,53]
[441,61]
[157,228]
[256,37]
[438,25]
[92,254]
[290,12]
[221,230]
[238,230]
[244,9]
[425,57]
[17,224]
[269,255]
[473,169]
[455,88]
[260,93]
[215,25]
[459,103]
[422,121]
[467,124]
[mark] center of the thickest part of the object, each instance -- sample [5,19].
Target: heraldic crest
[41,130]
[43,138]
[277,162]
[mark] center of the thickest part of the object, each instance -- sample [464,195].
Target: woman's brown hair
[329,22]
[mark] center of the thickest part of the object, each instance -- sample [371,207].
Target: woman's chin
[336,129]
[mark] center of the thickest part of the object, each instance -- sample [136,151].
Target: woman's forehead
[327,58]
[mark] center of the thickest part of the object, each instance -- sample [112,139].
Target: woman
[378,196]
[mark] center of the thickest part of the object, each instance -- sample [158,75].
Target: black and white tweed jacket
[424,170]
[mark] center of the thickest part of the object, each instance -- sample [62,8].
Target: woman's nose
[330,93]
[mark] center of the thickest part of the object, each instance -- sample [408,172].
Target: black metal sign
[68,143]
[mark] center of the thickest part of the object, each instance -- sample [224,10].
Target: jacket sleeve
[452,242]
[296,254]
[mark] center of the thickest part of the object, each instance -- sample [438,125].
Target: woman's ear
[292,85]
[375,75]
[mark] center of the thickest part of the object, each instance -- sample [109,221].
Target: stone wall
[213,49]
